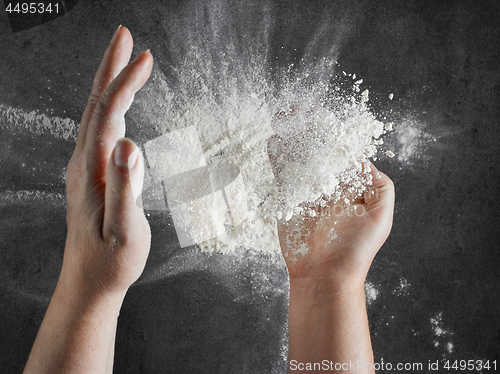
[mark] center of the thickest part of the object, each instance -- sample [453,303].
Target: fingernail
[126,153]
[116,33]
[146,51]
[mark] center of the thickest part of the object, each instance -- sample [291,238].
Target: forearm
[328,325]
[77,334]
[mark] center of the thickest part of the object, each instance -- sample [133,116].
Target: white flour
[16,119]
[320,145]
[371,293]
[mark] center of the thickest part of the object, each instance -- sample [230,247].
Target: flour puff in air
[326,156]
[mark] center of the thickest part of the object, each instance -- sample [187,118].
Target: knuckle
[389,184]
[120,239]
[101,106]
[93,99]
[115,102]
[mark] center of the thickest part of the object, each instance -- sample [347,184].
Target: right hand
[342,239]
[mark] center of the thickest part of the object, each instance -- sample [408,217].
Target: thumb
[124,179]
[379,199]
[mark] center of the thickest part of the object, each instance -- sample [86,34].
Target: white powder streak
[12,197]
[18,120]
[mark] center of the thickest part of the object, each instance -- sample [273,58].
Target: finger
[115,58]
[380,196]
[107,124]
[123,217]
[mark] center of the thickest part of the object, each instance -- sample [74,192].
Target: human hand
[108,236]
[328,255]
[342,239]
[339,243]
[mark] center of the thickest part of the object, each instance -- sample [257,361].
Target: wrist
[77,333]
[325,291]
[79,296]
[328,321]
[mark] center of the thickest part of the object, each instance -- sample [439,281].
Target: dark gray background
[434,285]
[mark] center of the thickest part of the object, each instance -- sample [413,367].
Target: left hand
[108,236]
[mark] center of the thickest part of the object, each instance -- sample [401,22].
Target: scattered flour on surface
[17,119]
[371,293]
[402,289]
[437,324]
[441,335]
[21,196]
[449,347]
